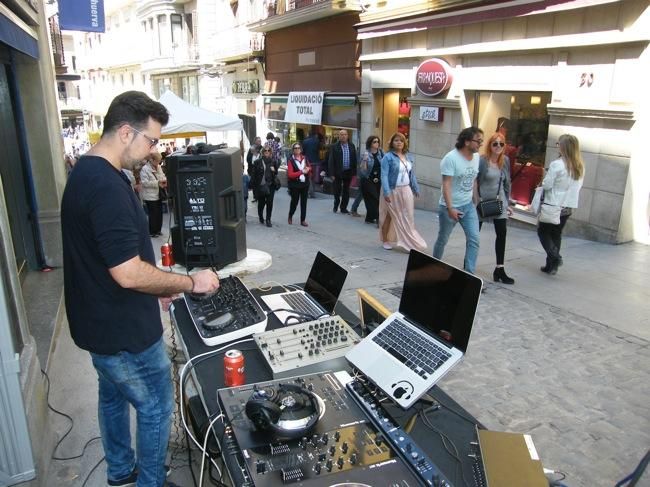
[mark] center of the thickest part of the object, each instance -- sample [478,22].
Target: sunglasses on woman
[498,144]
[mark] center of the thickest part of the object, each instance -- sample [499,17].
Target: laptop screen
[440,298]
[325,281]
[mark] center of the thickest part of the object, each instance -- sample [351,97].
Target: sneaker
[126,481]
[344,212]
[387,246]
[133,478]
[354,213]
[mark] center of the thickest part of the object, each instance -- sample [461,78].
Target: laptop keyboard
[407,346]
[300,302]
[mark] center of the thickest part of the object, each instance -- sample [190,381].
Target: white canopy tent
[186,120]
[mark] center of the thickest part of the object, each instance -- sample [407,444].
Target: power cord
[554,482]
[454,454]
[635,476]
[69,418]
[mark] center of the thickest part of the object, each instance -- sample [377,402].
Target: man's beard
[129,163]
[128,160]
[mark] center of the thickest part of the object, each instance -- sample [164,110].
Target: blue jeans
[142,380]
[469,222]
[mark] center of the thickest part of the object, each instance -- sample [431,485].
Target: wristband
[193,283]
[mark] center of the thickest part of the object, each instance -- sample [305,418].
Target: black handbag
[492,207]
[276,183]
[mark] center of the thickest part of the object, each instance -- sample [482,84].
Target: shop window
[523,120]
[404,117]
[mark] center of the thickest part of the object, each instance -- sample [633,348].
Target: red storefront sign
[433,77]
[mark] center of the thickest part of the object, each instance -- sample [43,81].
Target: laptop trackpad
[388,372]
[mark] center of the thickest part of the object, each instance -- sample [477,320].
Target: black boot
[550,267]
[499,274]
[261,220]
[268,222]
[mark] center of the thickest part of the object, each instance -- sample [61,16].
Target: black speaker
[286,412]
[209,220]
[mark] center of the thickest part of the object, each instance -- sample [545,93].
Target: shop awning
[468,14]
[186,120]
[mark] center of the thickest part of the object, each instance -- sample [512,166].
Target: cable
[92,471]
[189,457]
[457,413]
[205,447]
[182,376]
[58,443]
[454,454]
[635,476]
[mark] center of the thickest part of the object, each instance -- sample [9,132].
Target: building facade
[532,71]
[32,177]
[311,47]
[147,46]
[232,60]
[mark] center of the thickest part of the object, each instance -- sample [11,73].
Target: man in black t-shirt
[112,289]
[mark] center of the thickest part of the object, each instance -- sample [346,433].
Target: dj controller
[321,429]
[231,313]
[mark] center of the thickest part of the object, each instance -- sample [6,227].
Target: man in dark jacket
[342,166]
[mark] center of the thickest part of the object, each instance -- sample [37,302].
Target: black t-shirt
[103,225]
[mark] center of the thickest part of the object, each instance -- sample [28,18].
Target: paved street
[564,358]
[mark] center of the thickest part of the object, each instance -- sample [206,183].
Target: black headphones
[265,411]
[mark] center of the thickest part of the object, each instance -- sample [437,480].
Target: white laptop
[319,298]
[413,348]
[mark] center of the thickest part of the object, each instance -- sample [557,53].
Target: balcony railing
[280,7]
[280,14]
[236,42]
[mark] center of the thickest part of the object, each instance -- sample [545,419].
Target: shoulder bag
[551,213]
[491,207]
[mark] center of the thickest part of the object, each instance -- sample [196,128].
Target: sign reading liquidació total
[305,107]
[433,77]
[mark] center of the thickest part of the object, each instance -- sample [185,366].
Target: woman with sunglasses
[298,169]
[263,173]
[369,173]
[494,182]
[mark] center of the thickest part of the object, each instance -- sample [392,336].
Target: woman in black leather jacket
[263,177]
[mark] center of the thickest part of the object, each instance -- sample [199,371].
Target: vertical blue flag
[83,15]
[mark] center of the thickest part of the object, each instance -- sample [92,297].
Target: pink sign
[433,77]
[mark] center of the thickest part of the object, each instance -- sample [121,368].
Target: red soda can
[166,254]
[233,368]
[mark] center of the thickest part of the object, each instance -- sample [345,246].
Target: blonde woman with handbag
[562,185]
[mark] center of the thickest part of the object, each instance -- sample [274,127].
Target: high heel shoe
[499,274]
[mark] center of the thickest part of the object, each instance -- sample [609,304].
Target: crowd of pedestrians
[476,170]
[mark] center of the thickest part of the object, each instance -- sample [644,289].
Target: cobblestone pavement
[564,358]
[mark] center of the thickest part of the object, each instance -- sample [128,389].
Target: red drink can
[233,368]
[166,255]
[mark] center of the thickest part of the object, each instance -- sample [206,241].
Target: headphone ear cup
[263,413]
